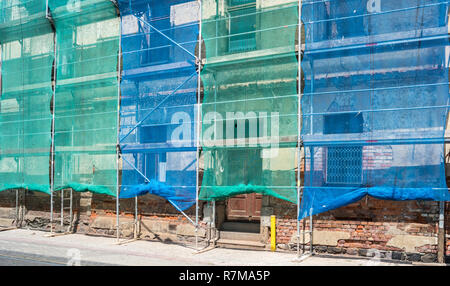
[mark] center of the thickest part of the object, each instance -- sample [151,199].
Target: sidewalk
[28,247]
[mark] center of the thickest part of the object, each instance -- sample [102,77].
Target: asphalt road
[12,258]
[24,259]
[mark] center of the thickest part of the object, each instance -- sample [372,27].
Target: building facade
[243,70]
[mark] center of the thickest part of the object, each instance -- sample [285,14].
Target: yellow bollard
[273,233]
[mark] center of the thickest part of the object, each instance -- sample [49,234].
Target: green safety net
[86,105]
[27,49]
[250,100]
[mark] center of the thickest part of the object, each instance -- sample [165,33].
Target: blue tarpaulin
[158,100]
[375,101]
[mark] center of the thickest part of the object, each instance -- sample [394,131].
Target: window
[155,48]
[242,25]
[155,165]
[344,163]
[343,123]
[153,134]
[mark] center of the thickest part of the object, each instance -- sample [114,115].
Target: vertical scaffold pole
[117,204]
[51,207]
[17,207]
[62,208]
[135,217]
[299,120]
[311,231]
[298,215]
[71,211]
[213,222]
[312,202]
[52,151]
[199,60]
[118,130]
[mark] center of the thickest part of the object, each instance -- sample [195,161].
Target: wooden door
[244,207]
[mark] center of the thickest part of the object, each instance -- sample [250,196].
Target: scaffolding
[26,47]
[372,113]
[375,102]
[74,144]
[249,109]
[129,108]
[84,134]
[250,122]
[158,92]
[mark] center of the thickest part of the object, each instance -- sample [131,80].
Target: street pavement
[35,248]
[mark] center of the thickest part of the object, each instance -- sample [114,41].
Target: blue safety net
[158,100]
[375,101]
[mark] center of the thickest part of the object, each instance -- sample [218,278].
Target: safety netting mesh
[86,104]
[158,100]
[250,98]
[375,101]
[26,41]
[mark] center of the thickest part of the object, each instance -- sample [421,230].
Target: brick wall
[158,219]
[96,215]
[34,210]
[398,230]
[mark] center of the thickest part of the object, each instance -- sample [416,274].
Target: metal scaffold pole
[17,207]
[311,231]
[119,67]
[71,211]
[62,209]
[199,59]
[135,218]
[52,154]
[298,222]
[213,222]
[136,225]
[117,206]
[52,151]
[299,120]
